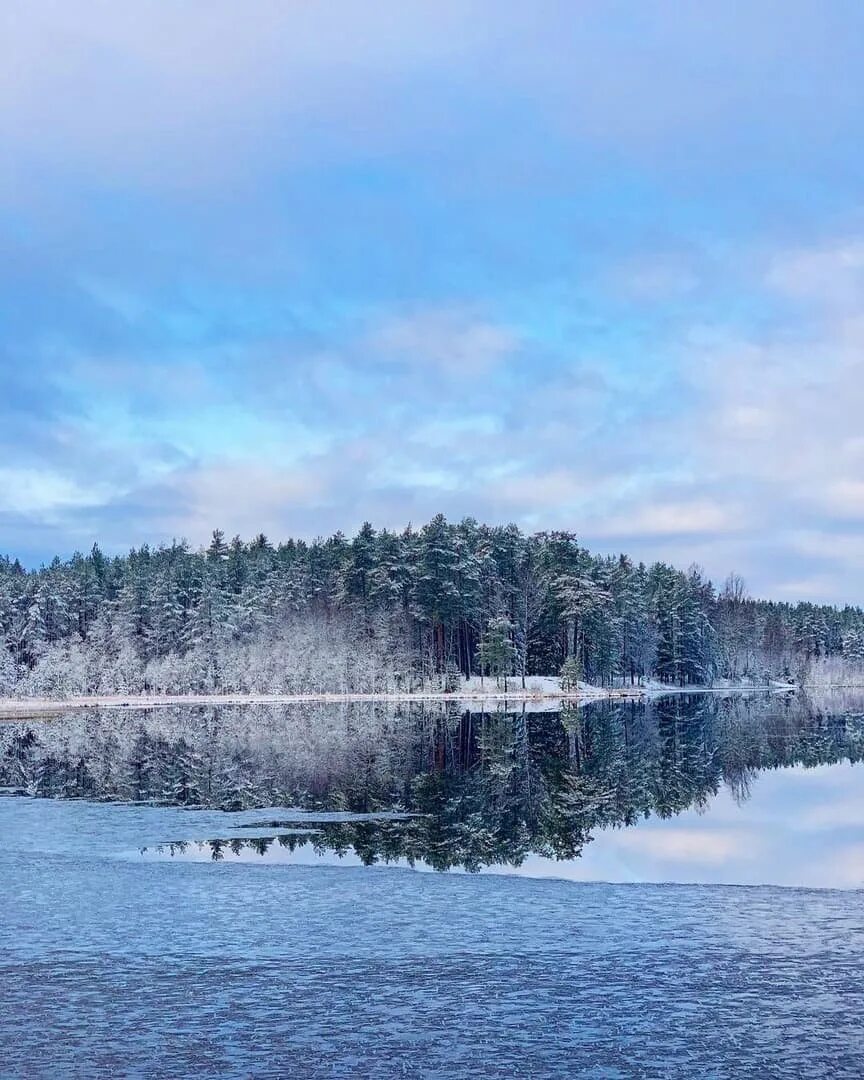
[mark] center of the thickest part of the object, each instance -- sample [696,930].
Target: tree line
[388,610]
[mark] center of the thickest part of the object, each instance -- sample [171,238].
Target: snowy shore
[540,691]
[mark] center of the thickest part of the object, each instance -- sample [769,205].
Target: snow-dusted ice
[116,967]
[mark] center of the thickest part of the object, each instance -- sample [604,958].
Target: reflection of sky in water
[800,827]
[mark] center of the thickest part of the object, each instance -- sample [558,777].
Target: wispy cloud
[446,341]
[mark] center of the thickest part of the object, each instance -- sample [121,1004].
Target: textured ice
[112,966]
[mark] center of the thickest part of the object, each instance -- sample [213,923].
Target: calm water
[229,892]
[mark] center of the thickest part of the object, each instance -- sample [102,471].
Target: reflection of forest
[490,788]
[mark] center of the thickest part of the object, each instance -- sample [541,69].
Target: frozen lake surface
[118,959]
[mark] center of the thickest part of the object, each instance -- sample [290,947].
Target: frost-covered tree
[496,652]
[388,611]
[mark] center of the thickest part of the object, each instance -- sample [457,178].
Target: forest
[390,612]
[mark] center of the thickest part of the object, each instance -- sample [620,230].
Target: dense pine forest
[397,611]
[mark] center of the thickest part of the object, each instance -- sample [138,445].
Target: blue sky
[291,266]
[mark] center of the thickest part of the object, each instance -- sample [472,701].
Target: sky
[286,267]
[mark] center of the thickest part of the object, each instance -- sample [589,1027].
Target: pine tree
[571,675]
[496,652]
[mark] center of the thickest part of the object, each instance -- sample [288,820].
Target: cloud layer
[589,267]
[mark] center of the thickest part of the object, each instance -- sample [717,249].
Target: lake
[665,889]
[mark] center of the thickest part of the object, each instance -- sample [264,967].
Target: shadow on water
[480,788]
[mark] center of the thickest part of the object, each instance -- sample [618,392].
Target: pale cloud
[553,492]
[845,867]
[845,498]
[784,412]
[161,94]
[833,813]
[748,421]
[819,588]
[832,275]
[244,497]
[41,491]
[662,518]
[404,474]
[448,432]
[694,846]
[657,277]
[845,546]
[447,341]
[185,95]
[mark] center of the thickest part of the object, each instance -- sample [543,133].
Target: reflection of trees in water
[489,787]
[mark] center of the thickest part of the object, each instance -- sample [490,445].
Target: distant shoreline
[17,708]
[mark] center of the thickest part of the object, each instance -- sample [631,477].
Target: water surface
[308,947]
